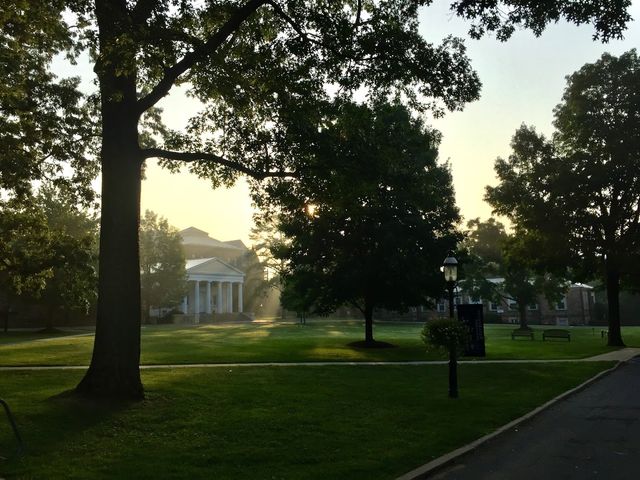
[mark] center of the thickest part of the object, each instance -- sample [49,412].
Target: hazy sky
[523,79]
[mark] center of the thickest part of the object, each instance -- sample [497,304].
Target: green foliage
[73,251]
[255,284]
[486,240]
[447,334]
[163,278]
[49,250]
[369,218]
[24,238]
[505,266]
[262,68]
[579,192]
[48,128]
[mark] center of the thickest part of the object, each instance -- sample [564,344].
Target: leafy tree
[48,128]
[24,260]
[259,66]
[72,252]
[268,241]
[452,336]
[255,284]
[371,221]
[49,251]
[163,277]
[580,190]
[512,272]
[486,240]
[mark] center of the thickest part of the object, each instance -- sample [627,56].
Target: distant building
[576,307]
[215,283]
[198,244]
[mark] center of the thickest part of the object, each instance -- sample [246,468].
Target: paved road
[594,434]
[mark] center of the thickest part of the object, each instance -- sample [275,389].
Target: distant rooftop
[197,237]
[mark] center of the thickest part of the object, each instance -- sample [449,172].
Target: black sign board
[471,316]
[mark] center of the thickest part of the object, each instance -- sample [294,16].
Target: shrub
[446,334]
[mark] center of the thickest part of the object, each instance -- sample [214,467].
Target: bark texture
[613,299]
[114,371]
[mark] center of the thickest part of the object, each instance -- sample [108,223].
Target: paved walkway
[619,355]
[593,434]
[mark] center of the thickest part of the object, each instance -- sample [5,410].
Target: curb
[445,460]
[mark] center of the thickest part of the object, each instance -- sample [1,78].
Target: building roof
[211,266]
[498,280]
[196,237]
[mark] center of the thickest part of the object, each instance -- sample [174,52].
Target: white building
[214,285]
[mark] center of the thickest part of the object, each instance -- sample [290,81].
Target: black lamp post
[450,269]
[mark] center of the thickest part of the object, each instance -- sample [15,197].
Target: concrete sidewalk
[618,356]
[593,434]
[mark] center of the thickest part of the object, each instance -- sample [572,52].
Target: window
[533,307]
[475,302]
[562,304]
[514,320]
[493,307]
[562,321]
[513,305]
[440,307]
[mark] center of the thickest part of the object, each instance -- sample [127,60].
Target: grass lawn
[19,336]
[337,422]
[316,341]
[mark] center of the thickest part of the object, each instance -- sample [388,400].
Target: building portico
[214,287]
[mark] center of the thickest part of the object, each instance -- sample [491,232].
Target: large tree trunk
[368,323]
[613,301]
[522,310]
[114,370]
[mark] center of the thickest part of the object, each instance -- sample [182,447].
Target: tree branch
[197,54]
[210,157]
[278,9]
[142,11]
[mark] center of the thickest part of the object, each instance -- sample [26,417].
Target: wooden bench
[556,333]
[518,332]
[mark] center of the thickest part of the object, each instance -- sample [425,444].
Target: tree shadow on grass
[373,344]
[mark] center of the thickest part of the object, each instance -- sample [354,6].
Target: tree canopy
[504,266]
[580,190]
[48,128]
[371,217]
[71,251]
[48,251]
[163,278]
[259,66]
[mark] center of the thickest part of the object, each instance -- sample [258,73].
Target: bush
[446,334]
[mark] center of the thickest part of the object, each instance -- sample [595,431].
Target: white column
[208,297]
[219,299]
[185,305]
[197,301]
[229,297]
[240,297]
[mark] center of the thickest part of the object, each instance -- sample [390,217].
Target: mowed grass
[296,422]
[313,342]
[19,336]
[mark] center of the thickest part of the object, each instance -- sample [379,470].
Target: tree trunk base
[615,342]
[371,344]
[111,383]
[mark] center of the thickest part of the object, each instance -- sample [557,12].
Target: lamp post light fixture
[450,269]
